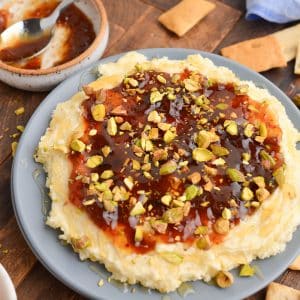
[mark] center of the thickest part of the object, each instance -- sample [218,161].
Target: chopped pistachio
[77,145]
[178,203]
[175,78]
[219,162]
[20,128]
[249,129]
[191,192]
[201,230]
[161,79]
[98,112]
[255,203]
[202,155]
[126,126]
[222,106]
[14,146]
[107,195]
[107,174]
[101,187]
[20,111]
[221,226]
[138,236]
[247,194]
[138,209]
[241,89]
[171,96]
[133,82]
[166,199]
[246,156]
[203,139]
[172,257]
[203,243]
[156,96]
[129,182]
[263,131]
[109,205]
[259,181]
[164,126]
[247,271]
[194,178]
[279,176]
[80,243]
[93,132]
[231,128]
[94,161]
[160,154]
[235,175]
[112,128]
[173,215]
[266,156]
[191,85]
[94,177]
[262,194]
[159,225]
[147,145]
[106,150]
[226,213]
[168,168]
[219,150]
[224,279]
[169,136]
[154,117]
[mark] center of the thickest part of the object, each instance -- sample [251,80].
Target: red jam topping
[173,159]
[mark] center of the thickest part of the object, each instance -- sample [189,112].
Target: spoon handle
[51,20]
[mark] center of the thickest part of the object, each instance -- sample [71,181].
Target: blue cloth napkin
[277,11]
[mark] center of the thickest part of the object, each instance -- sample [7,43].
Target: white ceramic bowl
[45,79]
[7,290]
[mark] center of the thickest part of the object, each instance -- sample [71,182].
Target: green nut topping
[171,96]
[262,194]
[201,230]
[203,243]
[266,156]
[106,150]
[248,131]
[77,145]
[168,168]
[98,112]
[247,194]
[138,209]
[156,96]
[235,175]
[231,127]
[94,161]
[107,174]
[169,136]
[202,155]
[263,131]
[259,181]
[138,236]
[172,257]
[191,85]
[219,150]
[126,126]
[154,117]
[226,213]
[279,176]
[191,192]
[222,106]
[161,79]
[133,82]
[203,139]
[247,271]
[173,215]
[166,199]
[112,128]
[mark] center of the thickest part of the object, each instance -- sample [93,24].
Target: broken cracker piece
[278,291]
[258,54]
[295,264]
[182,17]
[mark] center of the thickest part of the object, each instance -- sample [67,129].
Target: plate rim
[148,52]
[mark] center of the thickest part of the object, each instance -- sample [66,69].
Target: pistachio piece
[221,226]
[201,230]
[249,129]
[107,174]
[138,209]
[259,181]
[171,96]
[154,117]
[191,192]
[106,150]
[98,112]
[21,128]
[128,181]
[138,236]
[168,168]
[147,145]
[172,257]
[203,139]
[226,213]
[241,89]
[266,156]
[173,215]
[246,157]
[112,128]
[166,199]
[202,155]
[169,136]
[156,96]
[262,194]
[131,81]
[222,106]
[235,175]
[80,243]
[109,205]
[203,243]
[219,150]
[93,132]
[247,194]
[19,111]
[101,187]
[279,176]
[231,127]
[247,271]
[219,162]
[77,145]
[191,85]
[164,126]
[159,226]
[224,279]
[136,165]
[160,154]
[94,177]
[161,79]
[263,131]
[126,126]
[94,161]
[194,178]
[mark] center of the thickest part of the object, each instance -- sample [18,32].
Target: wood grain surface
[133,25]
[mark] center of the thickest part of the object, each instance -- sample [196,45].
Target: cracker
[258,54]
[297,62]
[288,40]
[295,264]
[182,17]
[278,291]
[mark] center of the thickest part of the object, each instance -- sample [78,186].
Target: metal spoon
[30,37]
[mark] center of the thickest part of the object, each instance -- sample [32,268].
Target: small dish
[7,290]
[45,79]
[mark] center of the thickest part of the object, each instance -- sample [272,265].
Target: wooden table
[133,25]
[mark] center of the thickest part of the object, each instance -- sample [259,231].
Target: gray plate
[28,194]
